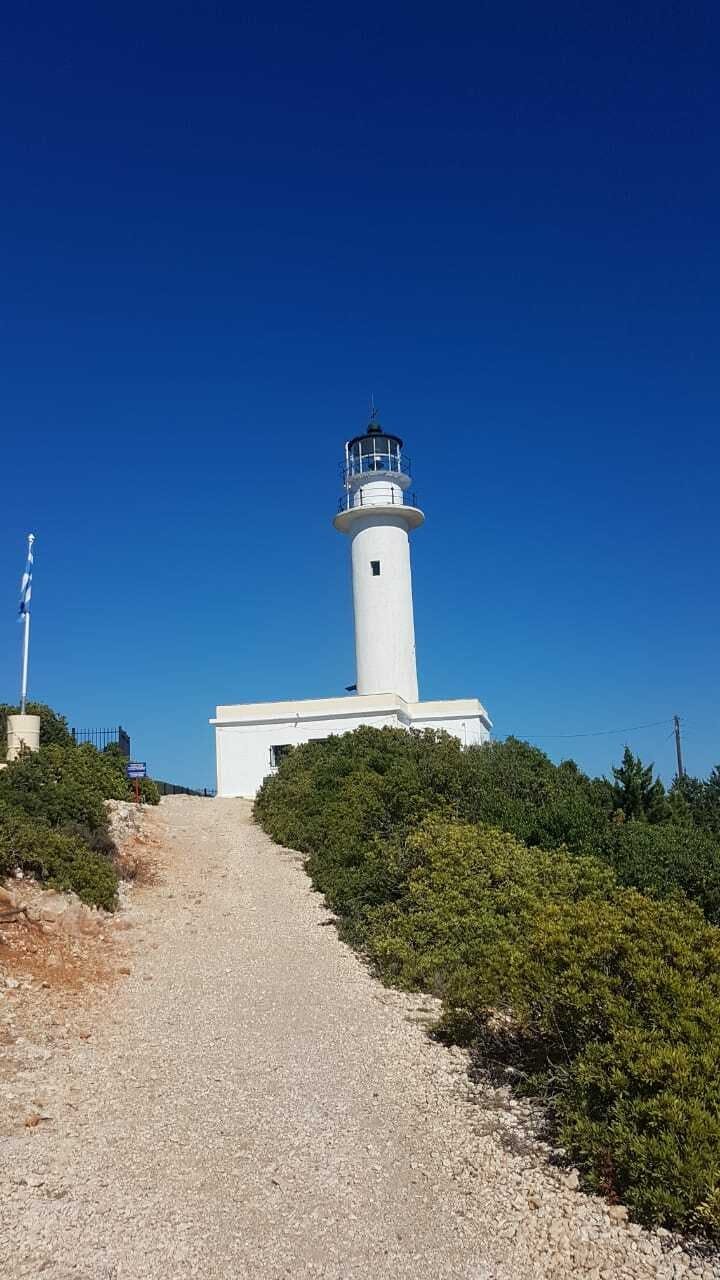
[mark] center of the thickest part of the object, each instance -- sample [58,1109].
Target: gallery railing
[376,496]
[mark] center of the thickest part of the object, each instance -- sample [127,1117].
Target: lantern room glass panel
[374,453]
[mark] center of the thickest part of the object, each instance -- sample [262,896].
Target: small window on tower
[375,566]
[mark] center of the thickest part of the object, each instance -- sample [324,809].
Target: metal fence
[102,738]
[171,789]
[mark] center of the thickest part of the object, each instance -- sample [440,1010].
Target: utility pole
[678,747]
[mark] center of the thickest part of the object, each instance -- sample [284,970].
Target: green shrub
[63,784]
[331,799]
[625,998]
[664,859]
[148,791]
[331,794]
[53,817]
[517,787]
[468,891]
[614,998]
[336,800]
[63,860]
[610,997]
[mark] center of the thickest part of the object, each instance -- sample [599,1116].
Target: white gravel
[253,1104]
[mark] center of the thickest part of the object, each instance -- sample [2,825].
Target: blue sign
[136,769]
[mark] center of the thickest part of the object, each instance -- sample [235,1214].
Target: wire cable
[600,733]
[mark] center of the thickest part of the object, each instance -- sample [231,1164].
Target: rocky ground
[212,1085]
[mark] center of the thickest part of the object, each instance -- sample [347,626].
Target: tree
[698,800]
[636,793]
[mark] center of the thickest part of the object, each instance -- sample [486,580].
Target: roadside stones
[65,913]
[617,1213]
[52,906]
[79,919]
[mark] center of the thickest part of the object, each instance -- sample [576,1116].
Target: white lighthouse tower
[377,512]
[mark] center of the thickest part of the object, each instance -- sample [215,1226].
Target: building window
[375,566]
[278,753]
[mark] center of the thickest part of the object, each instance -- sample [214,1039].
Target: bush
[53,819]
[63,860]
[517,787]
[330,799]
[610,997]
[625,999]
[70,784]
[63,784]
[665,859]
[149,792]
[614,998]
[53,816]
[470,891]
[330,796]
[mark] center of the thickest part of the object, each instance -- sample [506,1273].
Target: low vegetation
[53,818]
[568,924]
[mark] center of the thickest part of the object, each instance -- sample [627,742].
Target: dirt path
[252,1103]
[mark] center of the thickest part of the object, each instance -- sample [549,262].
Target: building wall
[471,730]
[243,750]
[244,746]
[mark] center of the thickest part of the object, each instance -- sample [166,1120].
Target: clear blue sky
[224,226]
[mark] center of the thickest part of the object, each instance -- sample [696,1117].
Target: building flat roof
[350,705]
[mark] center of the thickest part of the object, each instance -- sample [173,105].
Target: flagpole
[26,629]
[26,649]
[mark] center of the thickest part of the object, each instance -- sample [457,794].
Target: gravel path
[253,1104]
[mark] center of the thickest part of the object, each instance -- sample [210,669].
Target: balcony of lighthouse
[377,494]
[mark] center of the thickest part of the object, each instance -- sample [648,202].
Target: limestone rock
[617,1213]
[8,900]
[53,906]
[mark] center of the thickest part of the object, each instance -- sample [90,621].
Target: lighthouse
[377,512]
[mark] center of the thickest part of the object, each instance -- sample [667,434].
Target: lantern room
[375,451]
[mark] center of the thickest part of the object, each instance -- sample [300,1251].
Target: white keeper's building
[377,512]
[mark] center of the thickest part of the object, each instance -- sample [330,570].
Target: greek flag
[26,581]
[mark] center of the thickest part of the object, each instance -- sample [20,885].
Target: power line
[601,733]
